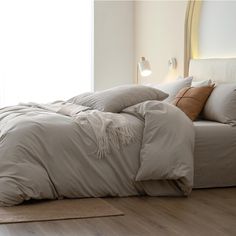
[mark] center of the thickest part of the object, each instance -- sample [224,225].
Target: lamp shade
[144,67]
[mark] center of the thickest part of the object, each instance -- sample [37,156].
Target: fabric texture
[172,88]
[110,130]
[192,100]
[201,83]
[163,155]
[77,98]
[221,105]
[220,70]
[48,155]
[214,154]
[118,98]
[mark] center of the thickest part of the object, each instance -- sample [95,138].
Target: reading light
[172,63]
[144,68]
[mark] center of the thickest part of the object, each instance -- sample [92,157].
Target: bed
[52,152]
[119,142]
[215,155]
[215,143]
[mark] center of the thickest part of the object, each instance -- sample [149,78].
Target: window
[45,50]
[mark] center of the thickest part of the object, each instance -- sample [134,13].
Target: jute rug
[58,210]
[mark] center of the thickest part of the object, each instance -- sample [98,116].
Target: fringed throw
[109,129]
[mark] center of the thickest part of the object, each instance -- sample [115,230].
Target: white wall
[217,31]
[43,46]
[159,35]
[113,43]
[127,30]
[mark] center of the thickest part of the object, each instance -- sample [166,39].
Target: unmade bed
[119,142]
[45,154]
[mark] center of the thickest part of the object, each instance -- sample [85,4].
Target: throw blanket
[108,128]
[68,151]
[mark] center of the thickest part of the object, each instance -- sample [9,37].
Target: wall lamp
[143,68]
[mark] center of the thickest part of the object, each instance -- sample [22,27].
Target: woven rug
[58,210]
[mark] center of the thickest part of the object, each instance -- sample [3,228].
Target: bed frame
[218,70]
[219,170]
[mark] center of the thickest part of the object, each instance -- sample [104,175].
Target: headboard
[218,70]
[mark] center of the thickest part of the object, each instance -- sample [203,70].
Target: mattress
[215,155]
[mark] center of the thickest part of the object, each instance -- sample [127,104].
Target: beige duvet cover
[48,155]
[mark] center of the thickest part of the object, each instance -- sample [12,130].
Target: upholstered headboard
[218,70]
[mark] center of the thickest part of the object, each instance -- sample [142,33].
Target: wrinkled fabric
[48,155]
[167,145]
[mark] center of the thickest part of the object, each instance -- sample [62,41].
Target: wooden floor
[206,212]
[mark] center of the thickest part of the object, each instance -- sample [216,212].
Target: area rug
[58,210]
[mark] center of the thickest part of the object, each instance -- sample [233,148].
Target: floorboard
[206,212]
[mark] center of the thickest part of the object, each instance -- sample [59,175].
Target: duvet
[49,152]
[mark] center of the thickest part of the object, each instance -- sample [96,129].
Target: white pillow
[201,83]
[221,105]
[172,88]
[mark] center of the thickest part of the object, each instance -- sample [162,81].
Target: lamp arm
[137,76]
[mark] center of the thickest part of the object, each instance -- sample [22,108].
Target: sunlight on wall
[45,49]
[171,76]
[159,36]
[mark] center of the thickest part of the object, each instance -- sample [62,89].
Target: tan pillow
[191,100]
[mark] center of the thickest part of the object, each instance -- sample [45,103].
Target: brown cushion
[191,100]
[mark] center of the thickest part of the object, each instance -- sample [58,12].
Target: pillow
[201,83]
[118,98]
[77,98]
[172,88]
[221,105]
[192,100]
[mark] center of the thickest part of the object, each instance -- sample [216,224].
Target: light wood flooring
[209,212]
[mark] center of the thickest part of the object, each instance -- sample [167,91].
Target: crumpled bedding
[47,152]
